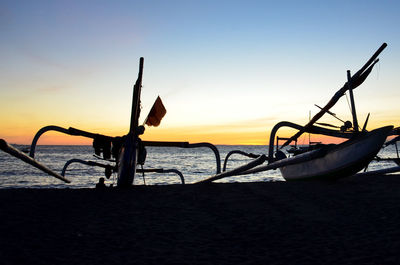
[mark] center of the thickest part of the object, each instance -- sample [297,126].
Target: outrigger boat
[128,152]
[323,161]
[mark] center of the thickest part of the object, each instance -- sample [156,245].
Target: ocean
[194,163]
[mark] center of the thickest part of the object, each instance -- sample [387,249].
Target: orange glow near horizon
[218,135]
[50,138]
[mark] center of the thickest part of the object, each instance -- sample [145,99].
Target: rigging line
[378,70]
[348,103]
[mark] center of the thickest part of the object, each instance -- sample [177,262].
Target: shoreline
[350,221]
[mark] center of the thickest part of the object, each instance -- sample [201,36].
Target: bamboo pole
[18,154]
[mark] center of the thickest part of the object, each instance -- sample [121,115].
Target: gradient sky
[227,71]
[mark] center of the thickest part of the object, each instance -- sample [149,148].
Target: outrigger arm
[311,129]
[256,166]
[18,154]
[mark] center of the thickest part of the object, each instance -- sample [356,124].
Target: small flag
[156,113]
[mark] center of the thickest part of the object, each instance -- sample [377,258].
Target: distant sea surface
[195,164]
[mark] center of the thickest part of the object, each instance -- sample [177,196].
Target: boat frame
[125,153]
[128,152]
[331,162]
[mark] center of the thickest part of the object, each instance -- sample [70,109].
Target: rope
[348,103]
[378,70]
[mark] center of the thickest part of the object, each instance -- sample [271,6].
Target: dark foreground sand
[352,221]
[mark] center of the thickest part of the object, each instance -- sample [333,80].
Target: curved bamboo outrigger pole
[18,154]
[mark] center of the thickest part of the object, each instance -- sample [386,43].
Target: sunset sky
[227,71]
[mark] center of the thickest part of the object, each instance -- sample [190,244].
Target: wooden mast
[353,105]
[135,112]
[128,155]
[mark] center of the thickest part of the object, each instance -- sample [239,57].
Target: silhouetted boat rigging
[128,153]
[324,161]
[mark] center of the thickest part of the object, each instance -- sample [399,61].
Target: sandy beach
[351,221]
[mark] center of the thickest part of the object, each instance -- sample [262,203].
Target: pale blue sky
[229,63]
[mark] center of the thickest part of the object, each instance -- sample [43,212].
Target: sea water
[195,164]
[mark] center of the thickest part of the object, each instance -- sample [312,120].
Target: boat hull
[342,160]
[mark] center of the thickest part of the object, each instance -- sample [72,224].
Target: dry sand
[351,221]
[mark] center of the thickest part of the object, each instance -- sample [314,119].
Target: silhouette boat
[322,161]
[125,155]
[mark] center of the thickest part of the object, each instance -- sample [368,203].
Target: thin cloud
[51,89]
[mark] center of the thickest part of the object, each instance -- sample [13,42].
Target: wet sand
[351,221]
